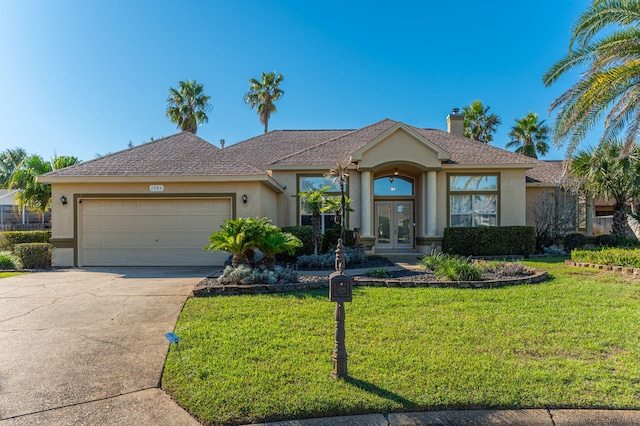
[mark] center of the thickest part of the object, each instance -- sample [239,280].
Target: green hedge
[11,238]
[331,237]
[627,257]
[305,234]
[34,255]
[490,241]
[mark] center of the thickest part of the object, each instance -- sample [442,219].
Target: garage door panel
[150,232]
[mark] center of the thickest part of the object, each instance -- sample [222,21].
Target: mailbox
[340,287]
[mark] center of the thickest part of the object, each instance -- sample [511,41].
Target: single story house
[156,203]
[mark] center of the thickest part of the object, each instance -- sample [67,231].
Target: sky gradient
[86,77]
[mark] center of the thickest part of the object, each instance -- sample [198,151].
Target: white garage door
[150,232]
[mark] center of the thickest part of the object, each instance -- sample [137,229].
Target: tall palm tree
[609,176]
[478,123]
[529,136]
[188,106]
[10,159]
[262,95]
[605,40]
[33,194]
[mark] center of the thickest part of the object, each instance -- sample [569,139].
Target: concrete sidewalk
[480,418]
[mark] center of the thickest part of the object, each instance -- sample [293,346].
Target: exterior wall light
[63,199]
[244,199]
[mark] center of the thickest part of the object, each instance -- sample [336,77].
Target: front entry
[394,224]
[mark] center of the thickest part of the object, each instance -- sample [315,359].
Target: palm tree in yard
[478,123]
[608,175]
[339,176]
[10,159]
[529,136]
[32,194]
[315,201]
[262,95]
[188,106]
[605,47]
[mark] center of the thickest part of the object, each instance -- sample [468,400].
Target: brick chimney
[455,123]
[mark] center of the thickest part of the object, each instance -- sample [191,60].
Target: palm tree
[339,176]
[10,159]
[607,175]
[263,94]
[32,194]
[275,242]
[187,106]
[315,201]
[478,123]
[529,136]
[605,40]
[239,237]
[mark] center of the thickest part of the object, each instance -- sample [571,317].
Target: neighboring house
[14,218]
[156,203]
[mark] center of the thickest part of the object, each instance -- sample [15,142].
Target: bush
[490,240]
[34,255]
[452,267]
[377,273]
[9,239]
[352,256]
[331,237]
[304,234]
[244,274]
[8,261]
[574,240]
[608,240]
[608,256]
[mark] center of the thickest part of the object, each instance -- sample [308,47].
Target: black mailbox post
[340,291]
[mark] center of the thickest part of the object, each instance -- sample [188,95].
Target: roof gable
[182,154]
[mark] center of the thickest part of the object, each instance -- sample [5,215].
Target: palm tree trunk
[315,220]
[619,226]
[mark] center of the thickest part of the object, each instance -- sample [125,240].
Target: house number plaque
[156,188]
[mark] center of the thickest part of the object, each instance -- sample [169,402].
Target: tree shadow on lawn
[382,393]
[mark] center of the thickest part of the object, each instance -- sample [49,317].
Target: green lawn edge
[569,342]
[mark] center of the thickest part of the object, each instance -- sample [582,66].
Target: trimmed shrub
[11,238]
[352,256]
[627,257]
[245,275]
[331,237]
[34,255]
[490,240]
[8,261]
[574,240]
[304,234]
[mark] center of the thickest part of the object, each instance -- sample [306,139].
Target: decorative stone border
[620,269]
[228,290]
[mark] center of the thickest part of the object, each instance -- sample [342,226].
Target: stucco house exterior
[156,204]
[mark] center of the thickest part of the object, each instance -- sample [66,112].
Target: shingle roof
[546,171]
[322,147]
[183,154]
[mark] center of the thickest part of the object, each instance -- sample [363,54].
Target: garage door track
[87,346]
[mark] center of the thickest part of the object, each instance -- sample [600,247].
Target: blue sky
[86,77]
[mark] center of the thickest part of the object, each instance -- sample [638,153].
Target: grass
[10,274]
[572,341]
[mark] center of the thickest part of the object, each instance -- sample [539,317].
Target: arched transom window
[393,186]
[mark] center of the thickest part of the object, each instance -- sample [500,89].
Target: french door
[394,224]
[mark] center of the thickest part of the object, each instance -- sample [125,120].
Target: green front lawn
[572,341]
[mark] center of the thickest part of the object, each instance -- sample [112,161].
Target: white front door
[394,224]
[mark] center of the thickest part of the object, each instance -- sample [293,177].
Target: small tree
[315,202]
[339,176]
[556,212]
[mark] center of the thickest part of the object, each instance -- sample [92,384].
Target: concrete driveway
[87,346]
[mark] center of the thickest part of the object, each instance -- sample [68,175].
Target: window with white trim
[473,200]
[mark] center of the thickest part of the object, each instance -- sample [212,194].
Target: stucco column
[366,206]
[589,214]
[432,208]
[423,205]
